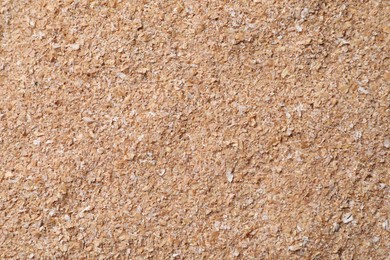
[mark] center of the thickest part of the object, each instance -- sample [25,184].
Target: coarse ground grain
[194,129]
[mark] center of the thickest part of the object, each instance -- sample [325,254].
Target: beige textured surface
[189,130]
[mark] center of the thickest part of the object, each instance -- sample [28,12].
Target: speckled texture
[194,129]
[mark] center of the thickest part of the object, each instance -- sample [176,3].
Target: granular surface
[194,129]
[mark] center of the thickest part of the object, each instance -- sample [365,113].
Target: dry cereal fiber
[183,129]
